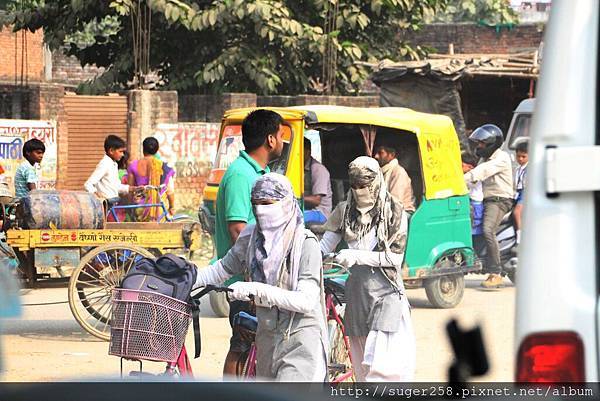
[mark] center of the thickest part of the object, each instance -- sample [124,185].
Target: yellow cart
[98,260]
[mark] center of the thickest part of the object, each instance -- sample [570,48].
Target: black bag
[168,275]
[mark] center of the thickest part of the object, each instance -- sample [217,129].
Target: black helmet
[490,135]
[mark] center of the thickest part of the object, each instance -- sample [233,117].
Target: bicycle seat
[245,320]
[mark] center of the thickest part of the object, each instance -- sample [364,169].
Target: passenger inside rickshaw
[338,145]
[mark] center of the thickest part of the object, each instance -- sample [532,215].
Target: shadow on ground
[48,330]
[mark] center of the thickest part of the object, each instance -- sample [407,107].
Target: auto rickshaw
[439,246]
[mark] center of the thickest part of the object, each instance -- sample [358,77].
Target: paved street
[47,344]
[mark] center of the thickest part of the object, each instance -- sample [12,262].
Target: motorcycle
[507,243]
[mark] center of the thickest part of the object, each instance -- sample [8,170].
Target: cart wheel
[446,291]
[219,303]
[91,285]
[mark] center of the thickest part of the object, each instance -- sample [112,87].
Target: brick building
[478,74]
[473,38]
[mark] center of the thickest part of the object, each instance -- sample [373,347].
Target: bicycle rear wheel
[249,369]
[340,365]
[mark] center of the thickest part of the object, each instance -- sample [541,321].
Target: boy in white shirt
[522,157]
[104,181]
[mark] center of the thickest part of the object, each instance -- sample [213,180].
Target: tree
[262,46]
[488,12]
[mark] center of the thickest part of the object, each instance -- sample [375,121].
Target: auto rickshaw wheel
[446,291]
[513,277]
[91,285]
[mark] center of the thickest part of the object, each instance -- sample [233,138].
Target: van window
[521,129]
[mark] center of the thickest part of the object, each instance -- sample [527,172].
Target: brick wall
[473,38]
[190,148]
[147,109]
[300,100]
[21,55]
[15,101]
[52,107]
[68,70]
[210,108]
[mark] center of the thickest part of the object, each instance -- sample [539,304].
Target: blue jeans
[314,216]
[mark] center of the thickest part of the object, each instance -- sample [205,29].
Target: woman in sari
[378,323]
[150,170]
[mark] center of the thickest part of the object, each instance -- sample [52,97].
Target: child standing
[469,162]
[26,177]
[520,179]
[104,181]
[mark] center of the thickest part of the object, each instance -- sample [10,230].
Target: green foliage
[488,12]
[261,46]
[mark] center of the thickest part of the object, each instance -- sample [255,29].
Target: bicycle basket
[147,326]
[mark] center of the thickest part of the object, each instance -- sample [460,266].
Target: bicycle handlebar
[210,288]
[154,187]
[335,268]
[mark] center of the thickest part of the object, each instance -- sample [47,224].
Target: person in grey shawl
[377,320]
[283,261]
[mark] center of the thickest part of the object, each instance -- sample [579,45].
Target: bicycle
[149,326]
[340,360]
[246,325]
[165,216]
[339,364]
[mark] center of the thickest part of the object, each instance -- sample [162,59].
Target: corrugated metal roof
[455,66]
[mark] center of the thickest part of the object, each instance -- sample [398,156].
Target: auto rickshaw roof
[390,117]
[438,142]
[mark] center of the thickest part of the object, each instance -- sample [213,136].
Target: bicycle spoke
[88,274]
[132,257]
[116,252]
[97,300]
[95,292]
[81,284]
[111,276]
[107,306]
[99,312]
[101,277]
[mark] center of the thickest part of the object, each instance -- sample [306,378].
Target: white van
[520,124]
[557,317]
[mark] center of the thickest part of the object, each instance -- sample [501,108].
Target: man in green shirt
[262,135]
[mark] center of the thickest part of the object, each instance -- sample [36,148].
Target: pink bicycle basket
[147,326]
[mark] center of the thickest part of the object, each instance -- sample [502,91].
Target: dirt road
[47,344]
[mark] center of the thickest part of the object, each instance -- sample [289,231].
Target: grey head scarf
[279,233]
[372,206]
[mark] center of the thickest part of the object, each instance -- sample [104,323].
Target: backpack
[168,275]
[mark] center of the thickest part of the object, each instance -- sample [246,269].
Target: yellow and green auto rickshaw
[439,250]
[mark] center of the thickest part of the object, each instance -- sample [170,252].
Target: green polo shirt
[233,198]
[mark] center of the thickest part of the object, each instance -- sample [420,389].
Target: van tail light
[551,357]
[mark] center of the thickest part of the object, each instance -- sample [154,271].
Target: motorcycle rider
[494,171]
